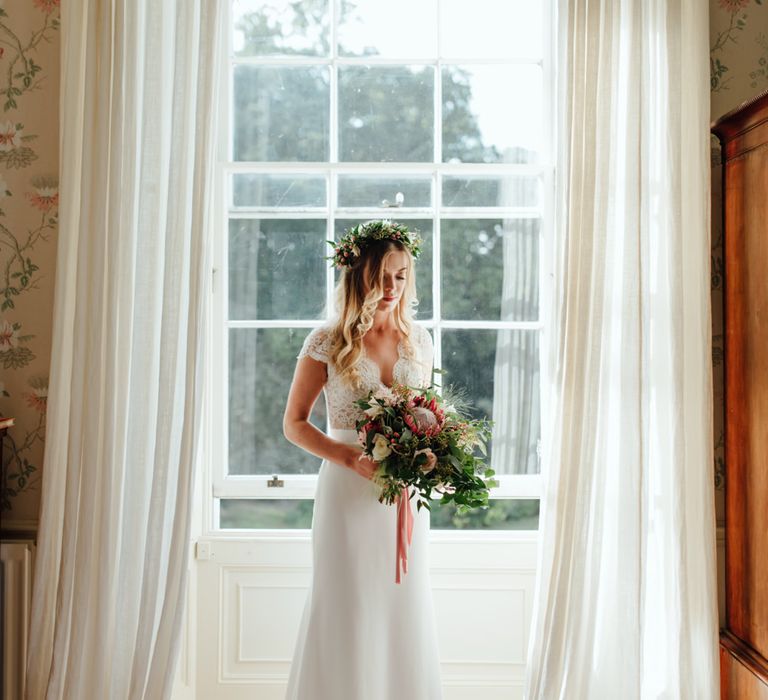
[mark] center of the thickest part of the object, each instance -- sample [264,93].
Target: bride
[366,633]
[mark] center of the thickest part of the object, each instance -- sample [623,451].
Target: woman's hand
[360,463]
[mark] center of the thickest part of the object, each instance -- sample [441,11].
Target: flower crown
[347,249]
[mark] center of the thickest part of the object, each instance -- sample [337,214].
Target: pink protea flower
[431,404]
[423,421]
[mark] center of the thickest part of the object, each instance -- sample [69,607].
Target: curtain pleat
[138,128]
[626,596]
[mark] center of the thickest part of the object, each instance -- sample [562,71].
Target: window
[433,113]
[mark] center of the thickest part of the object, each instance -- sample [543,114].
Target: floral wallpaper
[738,55]
[29,93]
[738,64]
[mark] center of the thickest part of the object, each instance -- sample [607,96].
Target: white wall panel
[251,593]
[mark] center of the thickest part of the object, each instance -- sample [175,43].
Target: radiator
[16,560]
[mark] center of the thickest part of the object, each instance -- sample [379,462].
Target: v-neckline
[394,366]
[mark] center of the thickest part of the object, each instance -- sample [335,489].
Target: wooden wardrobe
[743,135]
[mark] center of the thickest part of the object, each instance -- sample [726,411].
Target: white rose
[381,448]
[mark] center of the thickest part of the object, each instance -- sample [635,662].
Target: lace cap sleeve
[316,345]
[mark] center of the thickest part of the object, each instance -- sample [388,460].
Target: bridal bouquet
[423,444]
[421,441]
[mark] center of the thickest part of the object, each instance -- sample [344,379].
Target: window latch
[274,482]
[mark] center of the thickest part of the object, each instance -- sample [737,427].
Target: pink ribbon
[404,532]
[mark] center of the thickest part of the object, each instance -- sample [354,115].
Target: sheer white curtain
[626,598]
[516,410]
[138,96]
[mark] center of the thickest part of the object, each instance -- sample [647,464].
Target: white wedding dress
[362,636]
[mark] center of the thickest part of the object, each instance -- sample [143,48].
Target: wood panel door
[744,642]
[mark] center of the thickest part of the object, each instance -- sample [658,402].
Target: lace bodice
[340,395]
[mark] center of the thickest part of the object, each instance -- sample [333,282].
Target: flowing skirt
[362,636]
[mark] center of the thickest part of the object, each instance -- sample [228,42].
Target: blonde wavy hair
[354,309]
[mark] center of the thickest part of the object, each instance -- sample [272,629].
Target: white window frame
[217,483]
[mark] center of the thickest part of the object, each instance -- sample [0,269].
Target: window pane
[491,29]
[276,268]
[244,513]
[423,263]
[479,191]
[356,191]
[499,369]
[492,114]
[377,27]
[261,365]
[281,113]
[490,269]
[386,113]
[280,27]
[249,190]
[501,514]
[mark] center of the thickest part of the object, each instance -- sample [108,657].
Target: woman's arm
[308,380]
